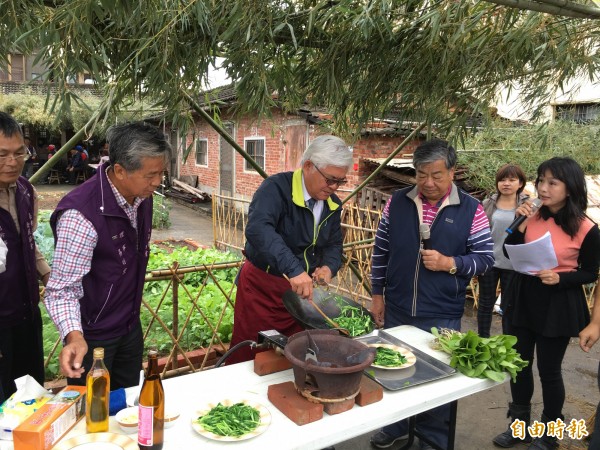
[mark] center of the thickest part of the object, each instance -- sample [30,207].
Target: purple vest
[112,290]
[19,289]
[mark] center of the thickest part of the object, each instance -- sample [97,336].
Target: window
[201,152]
[256,149]
[578,112]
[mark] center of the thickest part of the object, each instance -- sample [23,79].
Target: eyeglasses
[331,181]
[16,156]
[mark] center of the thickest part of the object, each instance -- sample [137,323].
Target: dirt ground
[49,200]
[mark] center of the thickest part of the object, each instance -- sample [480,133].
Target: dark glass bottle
[151,408]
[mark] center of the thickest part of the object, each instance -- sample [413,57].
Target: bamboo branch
[552,7]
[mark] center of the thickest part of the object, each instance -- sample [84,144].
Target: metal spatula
[312,350]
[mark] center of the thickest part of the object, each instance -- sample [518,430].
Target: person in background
[293,233]
[427,287]
[544,310]
[76,164]
[28,167]
[587,338]
[51,151]
[21,349]
[500,210]
[104,154]
[102,232]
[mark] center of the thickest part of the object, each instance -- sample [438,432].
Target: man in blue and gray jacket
[427,287]
[294,234]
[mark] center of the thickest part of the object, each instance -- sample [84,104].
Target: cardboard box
[52,421]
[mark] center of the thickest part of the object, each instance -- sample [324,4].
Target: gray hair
[130,143]
[328,150]
[9,127]
[434,150]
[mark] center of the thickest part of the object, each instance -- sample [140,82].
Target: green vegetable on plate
[387,357]
[235,420]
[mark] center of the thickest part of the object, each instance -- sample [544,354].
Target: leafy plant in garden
[479,357]
[211,299]
[160,213]
[43,235]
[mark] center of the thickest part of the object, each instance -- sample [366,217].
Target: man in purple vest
[102,232]
[21,349]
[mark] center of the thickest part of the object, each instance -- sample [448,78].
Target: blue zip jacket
[409,287]
[282,236]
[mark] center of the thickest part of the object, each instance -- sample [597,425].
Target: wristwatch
[452,270]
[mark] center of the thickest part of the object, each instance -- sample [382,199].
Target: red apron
[259,307]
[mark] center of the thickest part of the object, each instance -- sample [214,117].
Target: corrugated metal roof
[398,163]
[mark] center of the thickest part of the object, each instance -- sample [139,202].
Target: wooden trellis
[174,277]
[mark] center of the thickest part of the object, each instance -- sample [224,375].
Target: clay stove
[336,376]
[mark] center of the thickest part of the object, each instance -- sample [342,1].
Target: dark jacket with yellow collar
[282,236]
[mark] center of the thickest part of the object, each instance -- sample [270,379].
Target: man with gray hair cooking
[293,233]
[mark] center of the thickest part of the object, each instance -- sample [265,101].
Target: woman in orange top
[548,308]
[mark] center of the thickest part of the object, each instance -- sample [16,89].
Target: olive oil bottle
[98,394]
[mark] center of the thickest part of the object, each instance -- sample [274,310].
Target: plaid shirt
[75,244]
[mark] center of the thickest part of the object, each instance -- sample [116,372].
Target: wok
[330,304]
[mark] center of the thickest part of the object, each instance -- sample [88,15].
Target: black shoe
[424,446]
[384,440]
[544,443]
[506,439]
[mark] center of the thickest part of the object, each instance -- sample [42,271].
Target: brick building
[276,144]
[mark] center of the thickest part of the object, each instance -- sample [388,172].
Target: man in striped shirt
[102,231]
[426,287]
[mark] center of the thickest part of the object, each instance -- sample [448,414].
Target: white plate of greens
[231,420]
[390,357]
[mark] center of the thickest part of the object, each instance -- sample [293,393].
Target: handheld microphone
[425,236]
[519,220]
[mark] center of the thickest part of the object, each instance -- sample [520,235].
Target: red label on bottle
[145,425]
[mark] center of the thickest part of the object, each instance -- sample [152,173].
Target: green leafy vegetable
[479,357]
[388,358]
[235,420]
[355,320]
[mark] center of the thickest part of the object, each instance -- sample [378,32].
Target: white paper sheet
[533,256]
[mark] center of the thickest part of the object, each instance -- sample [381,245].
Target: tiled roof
[218,94]
[15,87]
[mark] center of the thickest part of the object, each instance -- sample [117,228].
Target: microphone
[519,220]
[425,236]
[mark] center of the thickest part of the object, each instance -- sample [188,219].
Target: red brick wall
[273,130]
